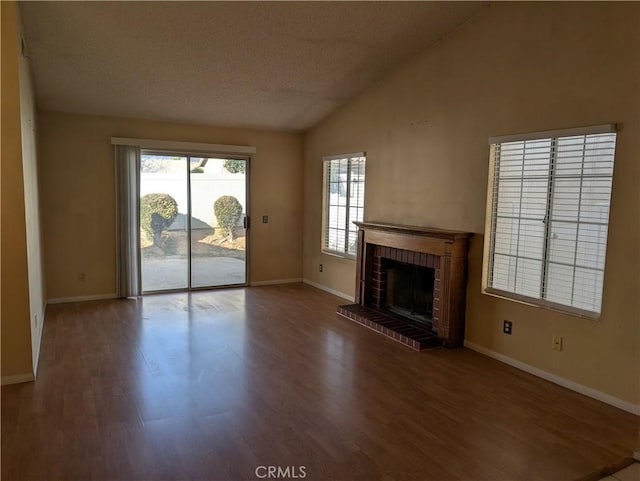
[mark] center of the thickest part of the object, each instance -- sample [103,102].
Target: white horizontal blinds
[345,202]
[335,233]
[550,211]
[356,201]
[579,220]
[520,204]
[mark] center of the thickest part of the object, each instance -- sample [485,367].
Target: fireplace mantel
[445,251]
[451,235]
[418,239]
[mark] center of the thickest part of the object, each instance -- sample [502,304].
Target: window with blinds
[548,205]
[344,203]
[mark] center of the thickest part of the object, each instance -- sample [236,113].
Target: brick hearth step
[408,332]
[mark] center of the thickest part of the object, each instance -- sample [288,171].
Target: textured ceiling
[274,65]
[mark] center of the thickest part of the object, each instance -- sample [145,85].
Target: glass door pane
[218,210]
[164,206]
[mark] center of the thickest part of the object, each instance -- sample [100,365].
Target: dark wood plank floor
[212,385]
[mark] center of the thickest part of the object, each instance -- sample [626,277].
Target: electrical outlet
[557,343]
[82,277]
[507,327]
[320,267]
[265,219]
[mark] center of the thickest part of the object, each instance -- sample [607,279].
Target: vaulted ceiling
[273,65]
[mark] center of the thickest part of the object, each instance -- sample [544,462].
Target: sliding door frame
[247,220]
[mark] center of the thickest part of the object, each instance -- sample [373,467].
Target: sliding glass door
[218,236]
[164,208]
[193,214]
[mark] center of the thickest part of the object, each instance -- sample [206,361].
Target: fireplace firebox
[411,284]
[409,291]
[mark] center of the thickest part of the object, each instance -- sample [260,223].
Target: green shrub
[197,170]
[228,211]
[235,166]
[157,212]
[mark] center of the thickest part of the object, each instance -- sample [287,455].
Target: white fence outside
[205,190]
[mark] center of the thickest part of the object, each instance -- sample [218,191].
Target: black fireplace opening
[409,291]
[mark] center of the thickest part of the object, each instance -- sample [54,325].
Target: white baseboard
[275,281]
[16,379]
[95,297]
[329,290]
[561,381]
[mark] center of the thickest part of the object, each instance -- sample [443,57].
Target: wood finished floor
[212,385]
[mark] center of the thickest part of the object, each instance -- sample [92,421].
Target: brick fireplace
[411,284]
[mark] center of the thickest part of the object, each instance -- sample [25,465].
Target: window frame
[489,236]
[326,198]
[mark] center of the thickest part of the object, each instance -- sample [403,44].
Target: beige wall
[14,312]
[516,67]
[77,179]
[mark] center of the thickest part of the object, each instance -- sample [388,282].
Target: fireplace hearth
[411,284]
